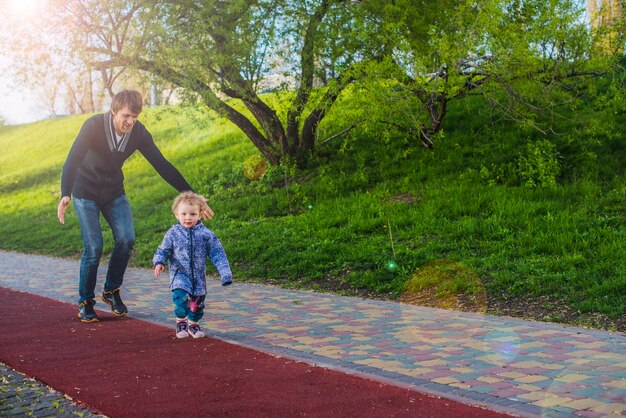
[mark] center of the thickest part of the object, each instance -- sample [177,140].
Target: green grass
[364,202]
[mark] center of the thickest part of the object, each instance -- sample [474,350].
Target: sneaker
[114,300]
[86,312]
[181,329]
[195,331]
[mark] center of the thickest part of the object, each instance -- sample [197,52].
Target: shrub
[539,166]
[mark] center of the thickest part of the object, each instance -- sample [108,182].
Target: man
[92,176]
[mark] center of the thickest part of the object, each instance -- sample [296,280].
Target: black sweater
[93,170]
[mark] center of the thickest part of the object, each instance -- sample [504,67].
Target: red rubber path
[124,367]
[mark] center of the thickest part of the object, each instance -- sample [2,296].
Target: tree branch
[344,132]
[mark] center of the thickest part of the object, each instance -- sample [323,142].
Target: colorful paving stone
[522,367]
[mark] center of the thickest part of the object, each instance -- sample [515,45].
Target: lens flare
[391,265]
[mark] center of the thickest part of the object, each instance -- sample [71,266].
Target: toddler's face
[188,215]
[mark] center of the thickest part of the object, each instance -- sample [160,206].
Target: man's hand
[206,211]
[158,269]
[63,204]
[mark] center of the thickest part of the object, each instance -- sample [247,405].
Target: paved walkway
[521,367]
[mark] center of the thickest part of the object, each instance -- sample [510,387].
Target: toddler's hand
[158,269]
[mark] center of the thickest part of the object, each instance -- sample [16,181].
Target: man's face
[123,120]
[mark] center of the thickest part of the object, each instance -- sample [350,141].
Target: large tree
[223,52]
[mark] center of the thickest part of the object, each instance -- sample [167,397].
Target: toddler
[186,246]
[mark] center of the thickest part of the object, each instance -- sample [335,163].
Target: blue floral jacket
[187,251]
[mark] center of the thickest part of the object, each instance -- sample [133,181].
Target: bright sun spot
[23,8]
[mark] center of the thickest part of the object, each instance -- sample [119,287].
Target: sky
[17,104]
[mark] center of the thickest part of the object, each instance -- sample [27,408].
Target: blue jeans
[181,306]
[120,218]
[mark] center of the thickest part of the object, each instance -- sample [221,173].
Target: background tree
[607,20]
[44,57]
[38,55]
[526,58]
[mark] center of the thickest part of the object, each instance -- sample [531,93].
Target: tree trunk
[243,123]
[333,91]
[87,104]
[271,125]
[307,63]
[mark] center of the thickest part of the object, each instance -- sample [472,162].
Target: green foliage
[369,197]
[539,166]
[408,59]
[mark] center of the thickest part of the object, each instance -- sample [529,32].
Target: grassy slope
[364,202]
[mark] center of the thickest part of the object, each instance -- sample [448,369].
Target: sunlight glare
[24,8]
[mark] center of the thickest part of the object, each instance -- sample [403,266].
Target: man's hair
[189,198]
[130,98]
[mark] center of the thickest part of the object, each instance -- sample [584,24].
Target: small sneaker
[195,331]
[86,312]
[114,300]
[181,329]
